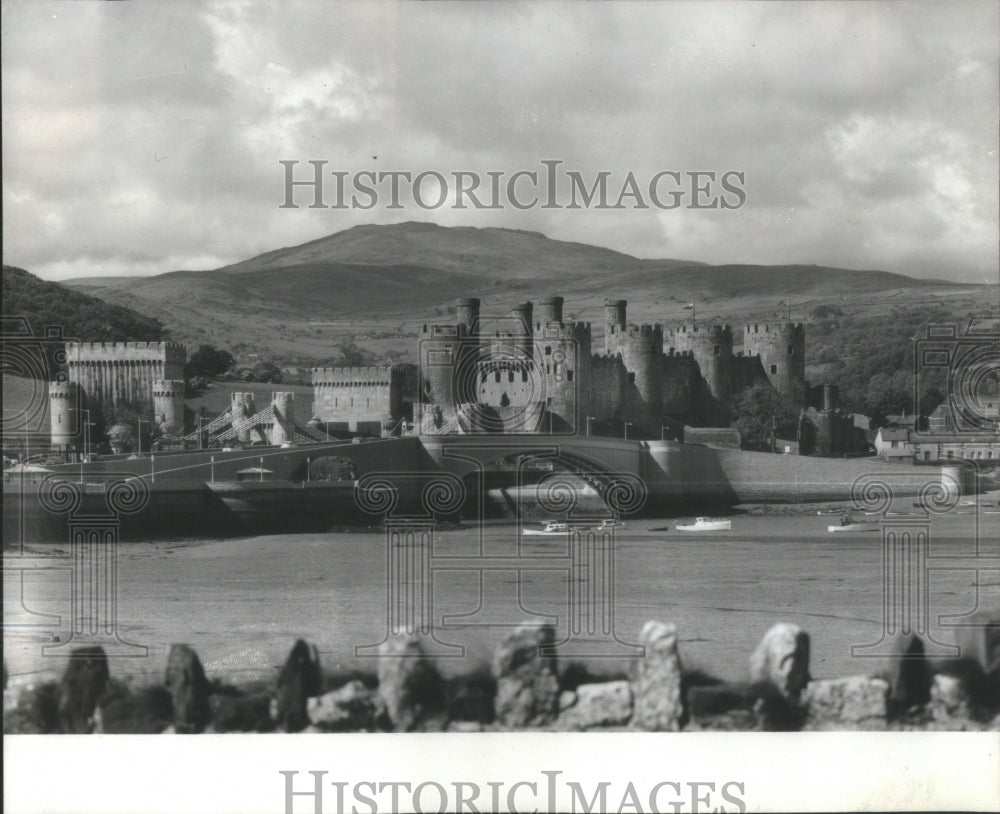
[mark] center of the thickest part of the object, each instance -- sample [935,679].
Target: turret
[550,311]
[65,420]
[782,351]
[467,314]
[168,404]
[614,323]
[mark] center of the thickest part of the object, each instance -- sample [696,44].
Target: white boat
[850,525]
[706,524]
[552,527]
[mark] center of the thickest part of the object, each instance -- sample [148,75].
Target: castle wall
[113,372]
[607,390]
[564,361]
[679,385]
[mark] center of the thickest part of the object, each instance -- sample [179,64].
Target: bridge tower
[168,404]
[782,351]
[283,431]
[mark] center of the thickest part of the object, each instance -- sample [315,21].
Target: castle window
[774,368]
[524,375]
[790,350]
[715,350]
[497,376]
[510,376]
[631,377]
[569,375]
[548,350]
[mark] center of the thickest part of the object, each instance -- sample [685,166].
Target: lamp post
[589,419]
[627,425]
[138,439]
[662,437]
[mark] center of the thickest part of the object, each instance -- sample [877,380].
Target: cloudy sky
[145,137]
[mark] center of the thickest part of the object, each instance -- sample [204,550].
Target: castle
[536,373]
[530,371]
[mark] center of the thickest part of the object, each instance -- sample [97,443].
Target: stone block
[410,685]
[300,679]
[854,702]
[82,685]
[598,705]
[656,680]
[189,690]
[982,642]
[949,699]
[909,673]
[782,658]
[527,682]
[350,708]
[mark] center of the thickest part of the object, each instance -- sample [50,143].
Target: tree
[122,438]
[761,414]
[208,362]
[353,356]
[266,371]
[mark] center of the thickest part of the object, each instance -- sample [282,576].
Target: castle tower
[467,314]
[614,324]
[550,311]
[642,353]
[65,419]
[712,348]
[441,347]
[519,328]
[242,406]
[283,430]
[782,351]
[168,404]
[563,353]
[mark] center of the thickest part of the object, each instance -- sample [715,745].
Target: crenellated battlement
[124,351]
[168,388]
[782,328]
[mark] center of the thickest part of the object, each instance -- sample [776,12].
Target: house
[893,444]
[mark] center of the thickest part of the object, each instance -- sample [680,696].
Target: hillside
[44,305]
[377,285]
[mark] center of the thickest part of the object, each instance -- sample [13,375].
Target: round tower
[782,351]
[283,429]
[168,404]
[242,407]
[440,349]
[467,314]
[712,348]
[614,323]
[64,414]
[565,359]
[550,311]
[642,353]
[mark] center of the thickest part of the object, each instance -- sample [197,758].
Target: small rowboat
[550,528]
[706,524]
[852,526]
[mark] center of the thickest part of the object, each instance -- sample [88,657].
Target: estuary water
[241,603]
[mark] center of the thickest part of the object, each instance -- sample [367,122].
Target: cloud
[146,137]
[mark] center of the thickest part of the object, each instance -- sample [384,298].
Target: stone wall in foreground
[528,687]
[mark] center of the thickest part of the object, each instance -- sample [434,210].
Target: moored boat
[706,524]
